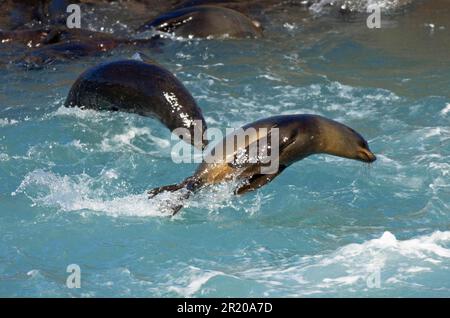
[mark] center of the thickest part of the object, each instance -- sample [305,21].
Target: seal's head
[340,140]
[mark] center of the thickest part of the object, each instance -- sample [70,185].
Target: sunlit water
[73,183]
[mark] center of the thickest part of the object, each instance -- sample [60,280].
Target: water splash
[82,193]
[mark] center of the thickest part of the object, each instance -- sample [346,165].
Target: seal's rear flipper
[176,209]
[169,188]
[189,185]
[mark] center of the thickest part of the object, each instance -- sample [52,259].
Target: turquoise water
[73,183]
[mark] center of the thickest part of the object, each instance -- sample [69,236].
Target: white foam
[77,112]
[33,273]
[4,156]
[7,122]
[388,161]
[118,142]
[79,193]
[414,247]
[344,280]
[76,143]
[395,261]
[123,141]
[85,194]
[417,269]
[290,26]
[442,167]
[193,281]
[270,77]
[214,198]
[445,110]
[436,131]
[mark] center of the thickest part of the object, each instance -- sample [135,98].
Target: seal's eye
[363,144]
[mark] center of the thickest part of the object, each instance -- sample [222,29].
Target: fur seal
[49,54]
[61,44]
[143,88]
[299,136]
[30,38]
[205,21]
[52,35]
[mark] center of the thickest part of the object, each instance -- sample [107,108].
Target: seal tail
[190,184]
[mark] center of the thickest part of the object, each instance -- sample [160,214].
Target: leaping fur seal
[299,136]
[143,88]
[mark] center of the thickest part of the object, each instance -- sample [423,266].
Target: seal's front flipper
[257,181]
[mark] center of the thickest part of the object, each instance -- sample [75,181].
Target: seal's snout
[366,155]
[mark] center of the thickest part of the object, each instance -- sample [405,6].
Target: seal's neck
[334,138]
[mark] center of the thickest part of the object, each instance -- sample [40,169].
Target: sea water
[73,183]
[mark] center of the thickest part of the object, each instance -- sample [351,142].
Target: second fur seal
[143,88]
[298,136]
[205,21]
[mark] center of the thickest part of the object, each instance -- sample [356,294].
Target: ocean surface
[73,183]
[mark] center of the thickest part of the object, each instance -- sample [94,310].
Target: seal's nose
[366,156]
